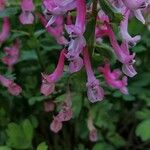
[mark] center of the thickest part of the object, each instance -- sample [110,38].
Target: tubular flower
[113,78]
[94,91]
[77,42]
[135,6]
[56,8]
[12,54]
[56,31]
[4,34]
[26,17]
[48,81]
[11,86]
[124,30]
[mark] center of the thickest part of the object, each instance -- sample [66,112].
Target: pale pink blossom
[11,54]
[11,86]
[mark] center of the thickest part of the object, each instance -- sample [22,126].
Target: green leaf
[143,130]
[102,146]
[27,129]
[20,133]
[42,146]
[4,148]
[7,12]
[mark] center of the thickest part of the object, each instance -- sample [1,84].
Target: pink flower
[65,114]
[5,30]
[12,54]
[79,27]
[56,31]
[75,65]
[56,125]
[48,81]
[26,17]
[2,4]
[94,91]
[136,6]
[113,78]
[12,87]
[57,8]
[124,30]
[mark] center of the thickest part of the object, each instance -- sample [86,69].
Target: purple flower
[12,54]
[94,91]
[113,78]
[56,31]
[2,4]
[26,17]
[5,30]
[135,6]
[48,81]
[12,87]
[57,8]
[124,30]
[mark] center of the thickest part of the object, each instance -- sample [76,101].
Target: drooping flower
[113,78]
[56,30]
[11,54]
[4,34]
[26,17]
[94,91]
[56,125]
[124,29]
[77,42]
[56,8]
[48,81]
[11,86]
[135,6]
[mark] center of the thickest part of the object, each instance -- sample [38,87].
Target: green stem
[40,59]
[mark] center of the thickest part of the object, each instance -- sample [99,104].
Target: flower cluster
[67,21]
[57,13]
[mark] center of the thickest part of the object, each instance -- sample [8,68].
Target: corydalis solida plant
[69,31]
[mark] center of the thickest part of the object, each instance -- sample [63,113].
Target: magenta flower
[4,34]
[113,78]
[48,81]
[56,125]
[94,91]
[12,87]
[11,54]
[26,17]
